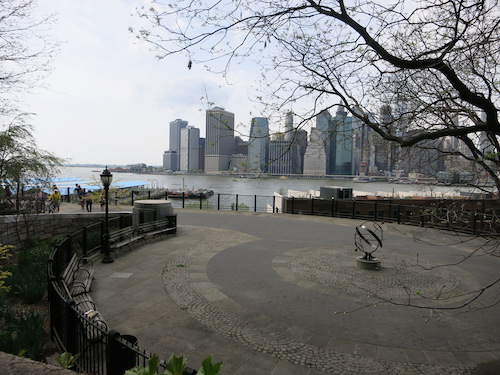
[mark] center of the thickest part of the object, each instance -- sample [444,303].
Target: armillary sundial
[368,239]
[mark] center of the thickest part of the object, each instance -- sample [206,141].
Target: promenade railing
[102,351]
[106,352]
[474,216]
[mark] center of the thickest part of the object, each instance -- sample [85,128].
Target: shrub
[28,279]
[22,332]
[28,283]
[5,255]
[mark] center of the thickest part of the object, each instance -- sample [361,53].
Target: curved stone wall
[15,229]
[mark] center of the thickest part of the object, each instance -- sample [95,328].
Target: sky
[108,100]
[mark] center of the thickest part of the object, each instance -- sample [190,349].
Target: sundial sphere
[368,237]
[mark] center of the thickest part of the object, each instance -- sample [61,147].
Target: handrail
[68,325]
[102,351]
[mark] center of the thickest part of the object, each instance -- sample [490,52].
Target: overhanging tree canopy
[25,56]
[433,61]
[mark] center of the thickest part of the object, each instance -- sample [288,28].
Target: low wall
[15,229]
[14,365]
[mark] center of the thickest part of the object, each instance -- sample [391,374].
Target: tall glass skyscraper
[258,144]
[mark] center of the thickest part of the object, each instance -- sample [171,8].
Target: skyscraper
[175,141]
[301,140]
[341,144]
[284,157]
[323,122]
[189,149]
[258,144]
[170,161]
[289,133]
[315,156]
[219,143]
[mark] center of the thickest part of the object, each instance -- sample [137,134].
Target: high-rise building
[323,121]
[175,143]
[361,150]
[284,157]
[424,158]
[240,146]
[289,133]
[341,143]
[219,143]
[315,156]
[258,144]
[170,159]
[239,163]
[189,149]
[301,140]
[387,152]
[201,155]
[285,149]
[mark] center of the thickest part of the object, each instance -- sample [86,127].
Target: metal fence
[229,202]
[102,351]
[106,352]
[480,217]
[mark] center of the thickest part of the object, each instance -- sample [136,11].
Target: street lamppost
[106,179]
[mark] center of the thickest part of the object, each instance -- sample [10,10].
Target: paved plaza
[281,294]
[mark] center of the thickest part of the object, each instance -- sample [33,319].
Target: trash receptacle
[128,355]
[121,356]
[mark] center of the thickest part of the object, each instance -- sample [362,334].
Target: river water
[259,186]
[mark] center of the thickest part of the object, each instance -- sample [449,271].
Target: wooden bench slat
[124,237]
[156,228]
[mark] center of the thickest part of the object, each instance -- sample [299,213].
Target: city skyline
[108,100]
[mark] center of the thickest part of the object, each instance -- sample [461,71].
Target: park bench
[155,228]
[76,280]
[124,237]
[78,275]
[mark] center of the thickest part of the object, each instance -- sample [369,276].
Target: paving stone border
[401,279]
[185,280]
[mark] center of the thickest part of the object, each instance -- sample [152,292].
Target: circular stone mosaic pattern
[400,277]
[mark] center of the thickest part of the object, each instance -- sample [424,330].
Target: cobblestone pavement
[276,294]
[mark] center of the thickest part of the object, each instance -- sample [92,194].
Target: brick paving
[280,294]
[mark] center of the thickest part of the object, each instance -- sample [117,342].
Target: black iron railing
[102,351]
[476,216]
[463,216]
[479,217]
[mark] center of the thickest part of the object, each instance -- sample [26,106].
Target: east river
[257,186]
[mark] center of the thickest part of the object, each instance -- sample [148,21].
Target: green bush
[28,283]
[175,366]
[206,205]
[22,332]
[28,279]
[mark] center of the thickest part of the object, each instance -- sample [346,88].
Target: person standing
[88,202]
[102,200]
[78,192]
[82,200]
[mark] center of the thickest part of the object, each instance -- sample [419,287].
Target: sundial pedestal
[367,264]
[368,239]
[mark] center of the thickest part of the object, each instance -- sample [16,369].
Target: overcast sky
[109,100]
